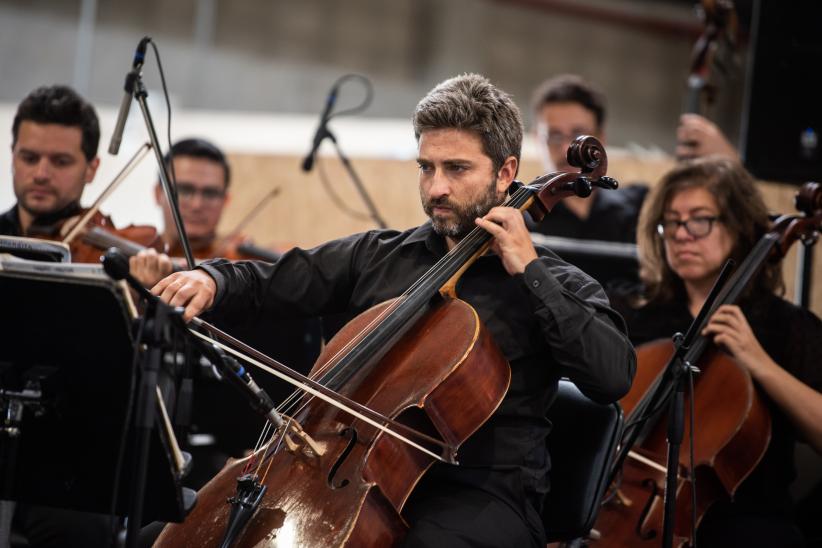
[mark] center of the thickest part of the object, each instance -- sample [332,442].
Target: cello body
[353,493]
[733,432]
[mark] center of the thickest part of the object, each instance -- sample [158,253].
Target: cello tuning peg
[607,182]
[582,187]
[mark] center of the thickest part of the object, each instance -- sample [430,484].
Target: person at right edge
[701,213]
[548,318]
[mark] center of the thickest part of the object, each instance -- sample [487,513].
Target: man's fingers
[493,228]
[197,304]
[163,284]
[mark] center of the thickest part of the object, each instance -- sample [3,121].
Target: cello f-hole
[352,434]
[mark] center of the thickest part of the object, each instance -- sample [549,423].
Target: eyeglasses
[698,227]
[560,139]
[187,192]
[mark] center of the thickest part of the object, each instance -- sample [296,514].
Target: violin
[734,423]
[99,234]
[238,248]
[384,401]
[90,232]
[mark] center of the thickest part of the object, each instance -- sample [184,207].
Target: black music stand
[67,334]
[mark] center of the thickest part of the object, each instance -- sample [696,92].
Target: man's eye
[425,168]
[60,161]
[29,158]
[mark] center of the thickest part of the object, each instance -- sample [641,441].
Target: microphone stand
[160,320]
[140,94]
[369,203]
[156,338]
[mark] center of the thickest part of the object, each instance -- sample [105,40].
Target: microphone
[259,400]
[322,131]
[125,104]
[115,263]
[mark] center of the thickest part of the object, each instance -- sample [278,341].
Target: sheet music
[16,265]
[67,272]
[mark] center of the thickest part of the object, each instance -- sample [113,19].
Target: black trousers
[455,515]
[723,527]
[45,527]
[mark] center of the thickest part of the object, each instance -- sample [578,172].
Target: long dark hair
[742,211]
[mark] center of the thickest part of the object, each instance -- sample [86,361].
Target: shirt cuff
[219,280]
[539,280]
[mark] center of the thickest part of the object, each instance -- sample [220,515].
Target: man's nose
[440,186]
[196,200]
[42,172]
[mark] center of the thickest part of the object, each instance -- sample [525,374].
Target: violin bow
[135,159]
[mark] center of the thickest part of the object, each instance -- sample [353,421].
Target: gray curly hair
[471,102]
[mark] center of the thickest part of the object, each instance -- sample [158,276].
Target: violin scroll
[809,199]
[584,152]
[588,154]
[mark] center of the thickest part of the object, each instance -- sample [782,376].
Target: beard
[461,220]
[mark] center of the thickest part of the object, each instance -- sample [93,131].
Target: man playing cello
[548,318]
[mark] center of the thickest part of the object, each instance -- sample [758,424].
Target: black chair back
[582,445]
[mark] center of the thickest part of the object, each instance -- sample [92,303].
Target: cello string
[263,433]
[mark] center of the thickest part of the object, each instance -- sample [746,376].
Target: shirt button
[535,283]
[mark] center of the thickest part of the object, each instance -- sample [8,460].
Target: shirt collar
[425,234]
[50,223]
[10,223]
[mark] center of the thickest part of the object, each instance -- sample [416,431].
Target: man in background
[55,135]
[222,423]
[565,107]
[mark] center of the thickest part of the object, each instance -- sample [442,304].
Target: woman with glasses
[701,213]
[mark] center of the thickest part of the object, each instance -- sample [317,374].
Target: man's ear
[158,195]
[91,169]
[506,173]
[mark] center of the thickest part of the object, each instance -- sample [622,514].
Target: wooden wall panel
[304,215]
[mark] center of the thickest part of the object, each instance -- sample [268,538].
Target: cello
[734,423]
[338,480]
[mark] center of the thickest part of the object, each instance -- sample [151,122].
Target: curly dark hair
[60,105]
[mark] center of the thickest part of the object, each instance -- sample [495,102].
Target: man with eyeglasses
[202,175]
[565,107]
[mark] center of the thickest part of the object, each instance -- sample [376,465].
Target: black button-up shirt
[43,226]
[552,321]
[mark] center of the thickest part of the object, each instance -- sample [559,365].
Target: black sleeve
[586,337]
[302,283]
